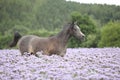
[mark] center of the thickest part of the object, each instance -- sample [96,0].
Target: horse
[56,44]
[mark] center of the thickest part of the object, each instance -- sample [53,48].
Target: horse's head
[76,32]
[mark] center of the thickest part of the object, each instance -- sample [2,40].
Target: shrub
[5,41]
[110,35]
[43,33]
[20,28]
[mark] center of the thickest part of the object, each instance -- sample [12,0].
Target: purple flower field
[77,64]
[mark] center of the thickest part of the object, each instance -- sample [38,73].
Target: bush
[43,33]
[90,41]
[5,41]
[20,28]
[110,35]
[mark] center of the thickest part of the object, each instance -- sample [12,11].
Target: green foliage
[43,33]
[17,12]
[91,41]
[5,41]
[110,35]
[19,29]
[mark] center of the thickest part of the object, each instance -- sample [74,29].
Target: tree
[110,35]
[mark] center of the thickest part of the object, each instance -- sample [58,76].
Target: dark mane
[68,25]
[64,30]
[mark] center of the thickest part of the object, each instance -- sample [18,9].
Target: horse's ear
[72,25]
[75,23]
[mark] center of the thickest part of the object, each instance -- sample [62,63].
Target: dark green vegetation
[110,35]
[46,18]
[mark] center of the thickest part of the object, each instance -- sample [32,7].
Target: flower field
[77,64]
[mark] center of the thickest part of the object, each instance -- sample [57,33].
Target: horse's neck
[63,37]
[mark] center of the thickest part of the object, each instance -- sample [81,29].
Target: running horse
[48,45]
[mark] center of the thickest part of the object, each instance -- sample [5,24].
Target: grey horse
[48,45]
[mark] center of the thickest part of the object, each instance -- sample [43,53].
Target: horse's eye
[74,29]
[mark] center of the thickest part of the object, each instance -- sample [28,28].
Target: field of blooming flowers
[77,64]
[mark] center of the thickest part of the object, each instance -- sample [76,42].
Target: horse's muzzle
[82,38]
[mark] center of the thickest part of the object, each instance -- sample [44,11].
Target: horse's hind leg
[62,53]
[21,51]
[36,55]
[24,53]
[30,50]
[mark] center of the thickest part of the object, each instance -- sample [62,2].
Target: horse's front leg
[62,53]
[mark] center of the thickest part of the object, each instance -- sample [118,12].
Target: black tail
[17,36]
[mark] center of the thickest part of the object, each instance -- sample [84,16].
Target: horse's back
[23,43]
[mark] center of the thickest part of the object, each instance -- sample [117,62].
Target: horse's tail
[17,36]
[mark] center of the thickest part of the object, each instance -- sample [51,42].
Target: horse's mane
[66,26]
[64,29]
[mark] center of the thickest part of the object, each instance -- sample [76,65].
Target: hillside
[50,14]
